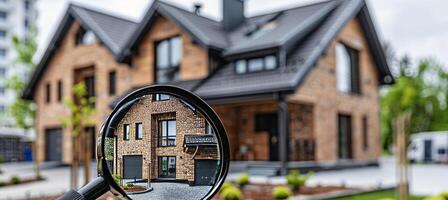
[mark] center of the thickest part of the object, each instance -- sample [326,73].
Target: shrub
[434,198]
[281,192]
[15,180]
[231,193]
[243,180]
[117,178]
[224,186]
[295,180]
[2,183]
[130,184]
[444,195]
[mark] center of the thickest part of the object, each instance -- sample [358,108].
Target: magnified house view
[163,138]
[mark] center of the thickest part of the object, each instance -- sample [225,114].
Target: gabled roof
[112,31]
[226,83]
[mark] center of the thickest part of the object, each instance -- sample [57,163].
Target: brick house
[163,138]
[303,81]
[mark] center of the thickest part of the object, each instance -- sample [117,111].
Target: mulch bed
[136,189]
[264,191]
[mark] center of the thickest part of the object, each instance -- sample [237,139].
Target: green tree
[21,110]
[81,112]
[420,90]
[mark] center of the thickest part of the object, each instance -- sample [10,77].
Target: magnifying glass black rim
[191,98]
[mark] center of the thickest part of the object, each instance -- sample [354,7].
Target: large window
[167,167]
[126,131]
[168,58]
[112,82]
[161,97]
[167,133]
[256,64]
[347,69]
[138,131]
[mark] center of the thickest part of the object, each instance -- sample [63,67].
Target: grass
[388,194]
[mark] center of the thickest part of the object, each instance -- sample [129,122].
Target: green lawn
[376,196]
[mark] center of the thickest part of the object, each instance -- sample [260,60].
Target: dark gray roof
[113,31]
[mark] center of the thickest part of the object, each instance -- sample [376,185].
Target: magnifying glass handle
[92,190]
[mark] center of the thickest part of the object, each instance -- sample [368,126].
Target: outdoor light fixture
[160,142]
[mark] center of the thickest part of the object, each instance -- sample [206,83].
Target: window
[3,15]
[2,34]
[365,133]
[2,108]
[347,69]
[344,136]
[168,58]
[161,97]
[48,92]
[85,37]
[112,82]
[167,133]
[2,52]
[126,131]
[27,5]
[256,64]
[90,87]
[138,131]
[208,129]
[2,90]
[59,90]
[2,72]
[167,167]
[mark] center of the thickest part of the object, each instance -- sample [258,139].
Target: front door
[167,167]
[268,122]
[132,167]
[205,172]
[53,144]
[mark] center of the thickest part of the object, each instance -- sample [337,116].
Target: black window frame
[174,68]
[166,137]
[365,133]
[112,78]
[158,97]
[60,90]
[137,131]
[345,152]
[5,16]
[90,83]
[168,168]
[355,69]
[48,92]
[126,134]
[247,61]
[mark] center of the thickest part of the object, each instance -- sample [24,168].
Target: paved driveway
[167,190]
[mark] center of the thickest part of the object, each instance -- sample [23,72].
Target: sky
[413,27]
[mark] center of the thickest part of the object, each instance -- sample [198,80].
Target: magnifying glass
[160,142]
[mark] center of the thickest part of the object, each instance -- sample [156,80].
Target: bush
[224,186]
[231,193]
[117,178]
[434,198]
[243,180]
[444,195]
[295,180]
[130,184]
[15,180]
[281,192]
[2,183]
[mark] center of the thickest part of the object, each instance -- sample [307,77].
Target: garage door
[132,167]
[205,172]
[53,145]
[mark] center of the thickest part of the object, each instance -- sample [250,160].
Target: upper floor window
[2,90]
[48,93]
[112,82]
[167,133]
[60,90]
[90,87]
[168,58]
[3,15]
[347,69]
[27,4]
[161,97]
[3,53]
[138,131]
[85,37]
[3,34]
[256,64]
[2,72]
[208,129]
[126,131]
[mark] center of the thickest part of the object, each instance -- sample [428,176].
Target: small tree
[80,117]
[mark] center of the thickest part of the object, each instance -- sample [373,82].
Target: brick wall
[149,112]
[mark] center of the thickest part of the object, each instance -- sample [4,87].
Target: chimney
[232,13]
[197,8]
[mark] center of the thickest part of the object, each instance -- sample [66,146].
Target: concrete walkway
[426,179]
[57,180]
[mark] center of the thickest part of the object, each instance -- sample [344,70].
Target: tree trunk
[36,160]
[75,163]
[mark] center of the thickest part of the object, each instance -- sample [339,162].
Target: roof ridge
[293,8]
[187,11]
[102,12]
